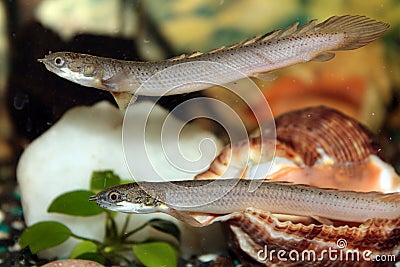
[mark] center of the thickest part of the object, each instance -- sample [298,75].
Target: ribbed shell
[339,136]
[305,137]
[257,228]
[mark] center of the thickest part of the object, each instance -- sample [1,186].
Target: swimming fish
[226,196]
[254,57]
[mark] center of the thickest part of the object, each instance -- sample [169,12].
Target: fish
[227,196]
[323,148]
[318,146]
[255,57]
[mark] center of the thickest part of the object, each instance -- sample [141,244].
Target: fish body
[226,196]
[253,57]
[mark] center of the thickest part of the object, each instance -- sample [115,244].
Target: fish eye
[114,196]
[59,61]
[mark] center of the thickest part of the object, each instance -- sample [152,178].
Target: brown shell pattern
[339,136]
[326,149]
[255,230]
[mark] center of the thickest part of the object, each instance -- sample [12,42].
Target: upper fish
[192,72]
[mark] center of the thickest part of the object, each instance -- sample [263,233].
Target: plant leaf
[127,181]
[165,227]
[44,235]
[156,254]
[92,256]
[75,203]
[83,247]
[103,179]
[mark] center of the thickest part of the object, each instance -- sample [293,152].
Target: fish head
[78,68]
[130,198]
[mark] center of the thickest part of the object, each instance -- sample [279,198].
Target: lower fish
[254,57]
[225,196]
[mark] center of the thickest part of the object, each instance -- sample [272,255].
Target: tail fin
[359,30]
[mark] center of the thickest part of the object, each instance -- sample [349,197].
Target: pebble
[17,225]
[4,235]
[15,247]
[17,194]
[4,229]
[6,207]
[73,263]
[17,211]
[208,257]
[6,151]
[2,216]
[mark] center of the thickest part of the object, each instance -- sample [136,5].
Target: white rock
[88,139]
[2,216]
[208,257]
[86,16]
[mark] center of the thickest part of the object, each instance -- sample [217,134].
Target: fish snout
[93,198]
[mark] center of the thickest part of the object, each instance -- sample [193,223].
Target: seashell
[73,263]
[311,143]
[318,146]
[259,234]
[315,131]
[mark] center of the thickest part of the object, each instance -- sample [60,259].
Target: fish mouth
[93,198]
[106,205]
[49,66]
[113,207]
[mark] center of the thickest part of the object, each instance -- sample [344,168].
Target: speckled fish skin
[225,196]
[252,57]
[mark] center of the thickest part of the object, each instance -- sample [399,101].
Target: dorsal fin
[194,54]
[250,40]
[270,36]
[290,30]
[358,31]
[178,57]
[392,197]
[305,28]
[216,49]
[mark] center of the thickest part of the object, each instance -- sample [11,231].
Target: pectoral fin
[183,216]
[265,76]
[119,82]
[322,220]
[123,99]
[322,57]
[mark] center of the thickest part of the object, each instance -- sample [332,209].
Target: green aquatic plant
[116,246]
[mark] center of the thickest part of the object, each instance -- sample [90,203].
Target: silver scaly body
[253,57]
[224,196]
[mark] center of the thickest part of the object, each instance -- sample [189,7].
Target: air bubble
[20,100]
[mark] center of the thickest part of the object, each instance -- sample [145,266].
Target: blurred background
[364,83]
